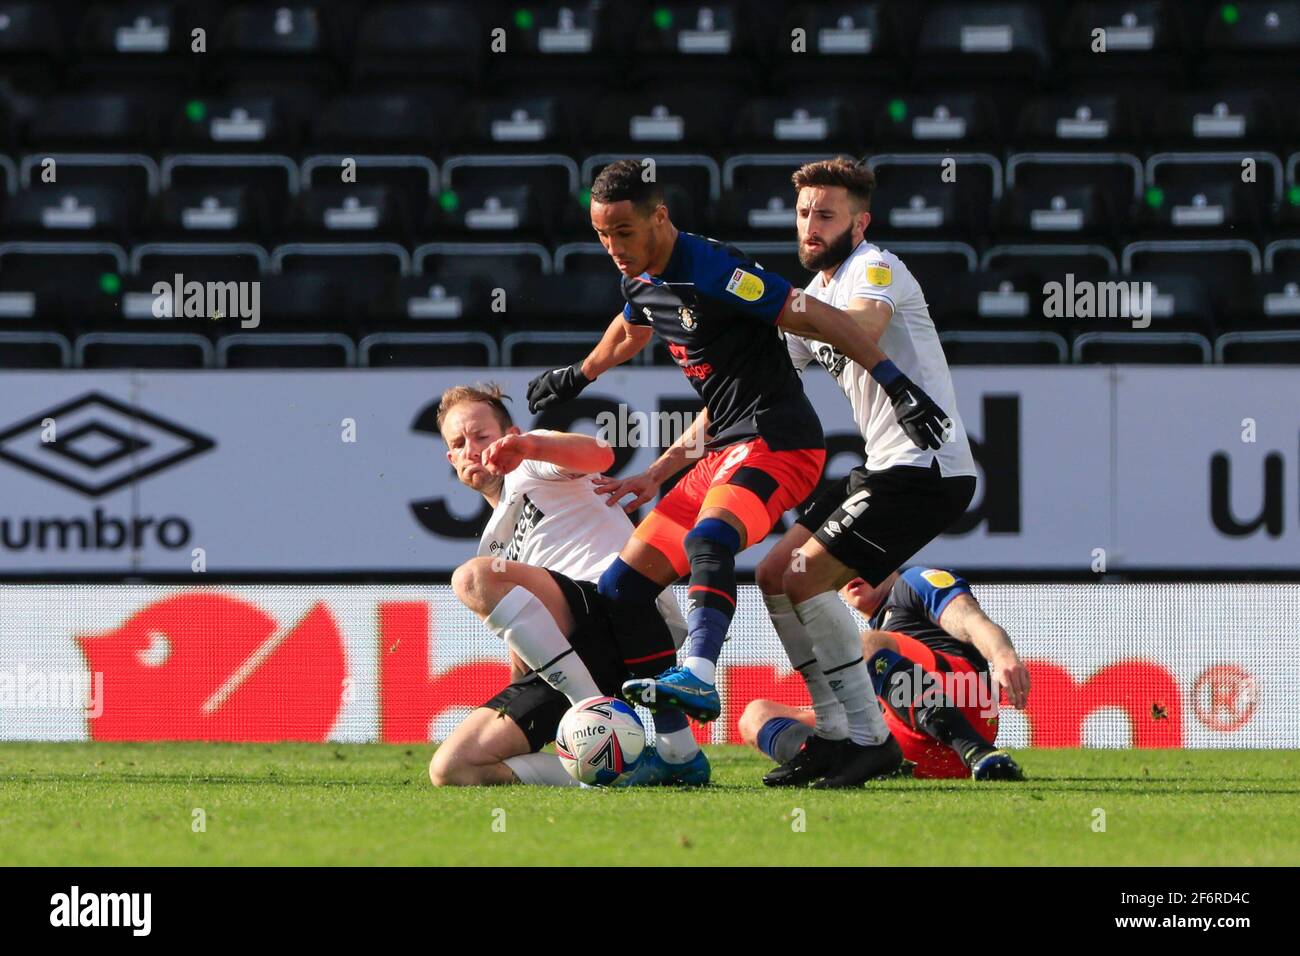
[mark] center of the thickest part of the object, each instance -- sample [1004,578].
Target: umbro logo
[95,444]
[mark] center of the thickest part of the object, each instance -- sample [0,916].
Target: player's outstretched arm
[923,421]
[965,620]
[580,454]
[688,448]
[872,316]
[621,342]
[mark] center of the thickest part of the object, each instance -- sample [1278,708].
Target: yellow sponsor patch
[940,579]
[880,274]
[745,285]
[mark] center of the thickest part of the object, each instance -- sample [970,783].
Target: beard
[832,253]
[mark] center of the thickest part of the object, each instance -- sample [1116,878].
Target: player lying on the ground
[719,313]
[908,491]
[547,541]
[929,652]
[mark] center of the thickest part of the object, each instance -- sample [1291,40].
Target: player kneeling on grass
[929,653]
[534,585]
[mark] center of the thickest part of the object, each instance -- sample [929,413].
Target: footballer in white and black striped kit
[546,543]
[914,483]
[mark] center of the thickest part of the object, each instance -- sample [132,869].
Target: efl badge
[879,274]
[939,579]
[745,285]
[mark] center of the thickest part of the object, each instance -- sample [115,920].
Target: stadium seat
[235,123]
[512,198]
[1063,195]
[443,42]
[799,121]
[412,181]
[1052,262]
[1272,298]
[335,286]
[31,350]
[204,188]
[58,211]
[913,197]
[1003,348]
[991,300]
[662,117]
[357,212]
[919,122]
[1252,39]
[137,42]
[97,121]
[845,45]
[932,263]
[497,265]
[63,284]
[1226,265]
[142,350]
[1145,39]
[524,349]
[428,350]
[556,301]
[584,258]
[386,122]
[267,350]
[1225,118]
[520,121]
[1204,193]
[1141,348]
[557,43]
[1282,258]
[1258,348]
[1076,121]
[1000,40]
[1178,300]
[31,47]
[279,42]
[700,45]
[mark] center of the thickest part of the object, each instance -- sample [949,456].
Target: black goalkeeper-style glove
[556,386]
[922,420]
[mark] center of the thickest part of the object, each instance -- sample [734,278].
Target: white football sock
[832,723]
[835,639]
[540,770]
[677,747]
[523,622]
[703,668]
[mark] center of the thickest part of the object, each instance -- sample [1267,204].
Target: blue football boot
[676,687]
[653,771]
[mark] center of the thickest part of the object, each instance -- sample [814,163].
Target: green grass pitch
[308,804]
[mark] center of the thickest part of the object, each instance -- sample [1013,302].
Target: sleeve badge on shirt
[939,579]
[880,274]
[745,285]
[688,318]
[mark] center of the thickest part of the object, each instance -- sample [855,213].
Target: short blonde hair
[489,393]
